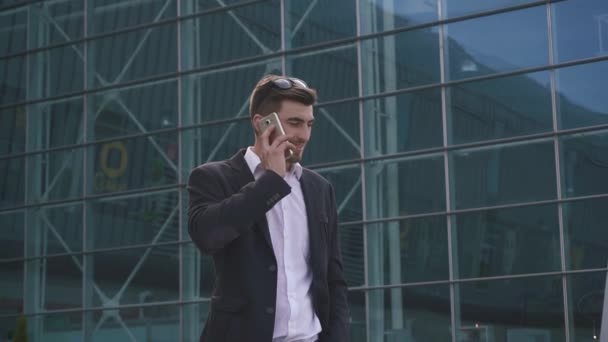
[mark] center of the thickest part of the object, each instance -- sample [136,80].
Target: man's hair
[267,98]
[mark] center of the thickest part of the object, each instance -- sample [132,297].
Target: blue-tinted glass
[13,31]
[504,174]
[381,15]
[203,5]
[584,164]
[507,241]
[133,55]
[587,293]
[399,61]
[135,163]
[405,122]
[580,29]
[335,134]
[581,99]
[58,175]
[12,232]
[358,321]
[60,326]
[12,80]
[459,8]
[310,22]
[405,186]
[12,182]
[204,279]
[66,19]
[12,281]
[62,285]
[62,227]
[353,256]
[411,250]
[333,73]
[346,181]
[58,123]
[139,109]
[586,234]
[500,108]
[110,15]
[138,220]
[221,141]
[497,43]
[148,323]
[194,317]
[524,309]
[12,130]
[56,72]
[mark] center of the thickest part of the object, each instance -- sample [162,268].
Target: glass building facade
[467,142]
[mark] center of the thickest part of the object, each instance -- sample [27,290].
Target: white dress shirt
[295,319]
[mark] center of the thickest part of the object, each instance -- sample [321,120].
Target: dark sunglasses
[288,82]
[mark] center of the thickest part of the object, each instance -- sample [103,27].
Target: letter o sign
[110,171]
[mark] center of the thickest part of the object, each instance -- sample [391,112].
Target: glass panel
[219,142]
[381,15]
[586,234]
[133,220]
[405,122]
[581,29]
[132,276]
[335,135]
[12,130]
[59,174]
[12,182]
[139,109]
[405,186]
[13,31]
[584,164]
[60,282]
[587,296]
[461,8]
[358,323]
[66,20]
[204,5]
[352,248]
[223,36]
[581,99]
[48,327]
[109,15]
[420,313]
[408,251]
[333,73]
[11,235]
[153,323]
[400,61]
[56,72]
[507,241]
[198,271]
[194,317]
[310,22]
[500,108]
[346,181]
[63,229]
[135,163]
[519,172]
[11,296]
[518,40]
[133,55]
[12,80]
[56,123]
[521,309]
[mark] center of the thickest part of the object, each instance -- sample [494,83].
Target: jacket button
[272,268]
[269,310]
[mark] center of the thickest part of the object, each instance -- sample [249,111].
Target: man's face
[297,120]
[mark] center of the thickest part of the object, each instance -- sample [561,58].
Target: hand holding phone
[273,119]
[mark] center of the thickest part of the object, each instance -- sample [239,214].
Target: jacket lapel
[309,191]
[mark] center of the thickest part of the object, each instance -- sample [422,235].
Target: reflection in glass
[585,226]
[11,235]
[12,182]
[406,122]
[379,15]
[581,99]
[56,72]
[460,8]
[585,164]
[400,61]
[58,123]
[500,108]
[357,308]
[520,309]
[12,80]
[504,174]
[310,22]
[405,186]
[11,299]
[61,281]
[106,16]
[222,141]
[55,175]
[497,43]
[346,181]
[587,298]
[352,248]
[60,229]
[194,318]
[507,241]
[12,130]
[66,20]
[13,31]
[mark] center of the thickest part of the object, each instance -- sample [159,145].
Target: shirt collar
[254,161]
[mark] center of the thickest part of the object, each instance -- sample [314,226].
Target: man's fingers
[265,137]
[279,140]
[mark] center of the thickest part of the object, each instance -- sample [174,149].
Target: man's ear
[255,122]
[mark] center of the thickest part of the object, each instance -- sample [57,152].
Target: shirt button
[269,310]
[272,268]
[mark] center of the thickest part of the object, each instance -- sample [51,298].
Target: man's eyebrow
[300,120]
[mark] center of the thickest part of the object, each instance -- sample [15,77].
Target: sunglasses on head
[288,82]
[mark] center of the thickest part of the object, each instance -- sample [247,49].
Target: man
[271,227]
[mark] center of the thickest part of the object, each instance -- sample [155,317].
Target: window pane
[405,187]
[400,61]
[12,232]
[405,122]
[580,29]
[56,72]
[59,174]
[460,8]
[504,174]
[57,123]
[133,55]
[135,220]
[203,5]
[194,318]
[379,15]
[587,292]
[198,271]
[497,43]
[507,241]
[61,228]
[333,73]
[420,313]
[220,141]
[11,299]
[585,161]
[60,281]
[585,226]
[408,251]
[358,322]
[581,99]
[13,31]
[109,15]
[500,108]
[139,109]
[134,163]
[12,130]
[67,20]
[12,182]
[51,327]
[346,181]
[12,80]
[352,248]
[524,309]
[310,22]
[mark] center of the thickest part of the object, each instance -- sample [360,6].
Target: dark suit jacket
[226,219]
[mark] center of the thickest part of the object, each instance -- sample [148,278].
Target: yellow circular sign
[114,172]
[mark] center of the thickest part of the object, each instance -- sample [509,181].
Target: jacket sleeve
[339,327]
[216,218]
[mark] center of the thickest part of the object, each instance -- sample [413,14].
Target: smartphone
[273,119]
